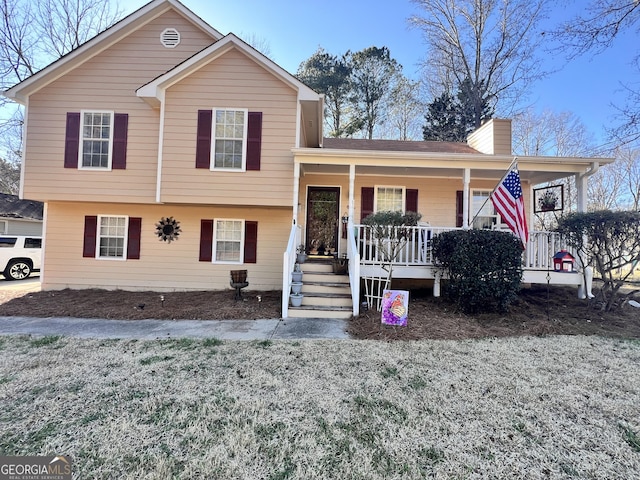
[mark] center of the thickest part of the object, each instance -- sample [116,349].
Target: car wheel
[17,270]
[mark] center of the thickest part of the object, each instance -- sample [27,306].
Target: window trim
[81,140]
[125,246]
[472,212]
[403,194]
[214,241]
[212,159]
[4,227]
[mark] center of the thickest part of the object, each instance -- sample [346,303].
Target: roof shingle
[397,145]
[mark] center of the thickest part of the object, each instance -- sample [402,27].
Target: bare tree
[595,30]
[9,177]
[405,111]
[330,75]
[598,26]
[625,178]
[33,34]
[559,135]
[549,133]
[490,42]
[372,72]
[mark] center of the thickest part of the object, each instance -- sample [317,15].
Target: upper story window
[229,139]
[97,139]
[483,213]
[112,237]
[389,199]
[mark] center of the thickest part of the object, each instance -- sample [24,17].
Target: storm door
[323,206]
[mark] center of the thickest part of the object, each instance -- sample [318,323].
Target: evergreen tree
[451,119]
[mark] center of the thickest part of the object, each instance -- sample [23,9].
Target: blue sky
[295,29]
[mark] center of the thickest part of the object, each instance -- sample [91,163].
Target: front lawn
[527,407]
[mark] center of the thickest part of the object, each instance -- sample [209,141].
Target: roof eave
[99,43]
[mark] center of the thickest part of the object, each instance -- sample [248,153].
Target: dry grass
[527,407]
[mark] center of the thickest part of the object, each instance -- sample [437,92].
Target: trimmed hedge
[484,268]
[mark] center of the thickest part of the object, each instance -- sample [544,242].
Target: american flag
[509,203]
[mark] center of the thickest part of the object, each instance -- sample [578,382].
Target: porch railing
[417,247]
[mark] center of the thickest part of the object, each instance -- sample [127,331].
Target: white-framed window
[96,139]
[482,206]
[112,237]
[389,199]
[228,241]
[229,138]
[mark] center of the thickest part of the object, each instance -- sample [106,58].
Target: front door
[323,207]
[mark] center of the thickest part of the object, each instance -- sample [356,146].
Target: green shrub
[484,268]
[610,241]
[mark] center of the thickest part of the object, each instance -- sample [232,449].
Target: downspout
[584,291]
[24,149]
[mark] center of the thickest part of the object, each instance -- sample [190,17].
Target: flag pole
[513,162]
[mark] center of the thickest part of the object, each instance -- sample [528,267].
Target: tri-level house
[168,154]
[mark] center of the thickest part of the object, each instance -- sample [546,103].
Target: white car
[19,256]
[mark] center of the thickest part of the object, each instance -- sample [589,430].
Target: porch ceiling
[533,170]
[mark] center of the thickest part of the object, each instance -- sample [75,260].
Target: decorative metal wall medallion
[168,229]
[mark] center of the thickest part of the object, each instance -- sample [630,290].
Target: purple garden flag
[395,304]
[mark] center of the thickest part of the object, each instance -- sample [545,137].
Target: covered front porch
[444,182]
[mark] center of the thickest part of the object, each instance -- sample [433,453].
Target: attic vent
[170,37]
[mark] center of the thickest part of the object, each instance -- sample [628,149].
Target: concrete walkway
[268,329]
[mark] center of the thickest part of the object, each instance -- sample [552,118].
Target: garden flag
[395,304]
[509,203]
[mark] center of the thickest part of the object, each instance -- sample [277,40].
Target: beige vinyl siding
[162,266]
[108,81]
[231,81]
[436,196]
[493,138]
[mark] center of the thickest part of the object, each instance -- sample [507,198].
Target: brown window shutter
[459,208]
[366,202]
[203,142]
[133,240]
[254,140]
[411,200]
[120,127]
[90,233]
[206,240]
[72,140]
[250,242]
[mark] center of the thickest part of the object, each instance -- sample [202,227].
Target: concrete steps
[326,295]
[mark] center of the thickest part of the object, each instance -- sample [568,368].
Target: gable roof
[397,145]
[311,102]
[102,41]
[12,207]
[152,92]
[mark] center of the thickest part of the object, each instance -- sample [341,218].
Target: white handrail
[354,267]
[288,261]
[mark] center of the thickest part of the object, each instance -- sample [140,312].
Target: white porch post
[352,183]
[296,191]
[582,184]
[466,180]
